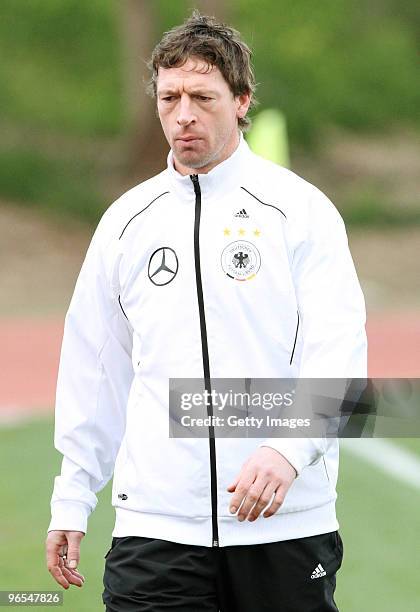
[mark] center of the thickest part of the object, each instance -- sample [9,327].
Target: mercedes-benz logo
[163,266]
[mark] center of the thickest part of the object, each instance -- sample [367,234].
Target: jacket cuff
[69,516]
[299,452]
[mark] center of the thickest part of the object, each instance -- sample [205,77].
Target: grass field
[380,526]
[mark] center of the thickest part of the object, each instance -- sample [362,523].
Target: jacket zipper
[206,361]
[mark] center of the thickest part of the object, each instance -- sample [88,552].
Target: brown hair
[217,44]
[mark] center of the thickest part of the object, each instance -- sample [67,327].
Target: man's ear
[242,105]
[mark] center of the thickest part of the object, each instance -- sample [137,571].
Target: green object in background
[268,137]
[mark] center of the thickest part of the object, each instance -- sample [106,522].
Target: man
[223,265]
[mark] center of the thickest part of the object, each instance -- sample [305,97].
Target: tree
[145,145]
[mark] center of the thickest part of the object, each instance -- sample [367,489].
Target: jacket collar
[218,181]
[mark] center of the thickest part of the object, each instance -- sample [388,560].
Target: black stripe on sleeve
[142,210]
[265,203]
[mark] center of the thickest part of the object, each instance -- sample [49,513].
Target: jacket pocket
[338,547]
[325,468]
[292,354]
[112,546]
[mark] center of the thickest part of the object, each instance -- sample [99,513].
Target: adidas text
[242,214]
[318,572]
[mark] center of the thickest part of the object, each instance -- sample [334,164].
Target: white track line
[391,459]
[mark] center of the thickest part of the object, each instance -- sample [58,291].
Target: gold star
[226,231]
[257,232]
[241,232]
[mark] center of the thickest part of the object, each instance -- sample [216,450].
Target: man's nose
[185,111]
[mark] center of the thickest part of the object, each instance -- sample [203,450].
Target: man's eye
[168,98]
[203,98]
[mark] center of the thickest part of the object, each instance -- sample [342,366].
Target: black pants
[151,575]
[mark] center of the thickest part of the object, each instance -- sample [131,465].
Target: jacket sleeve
[332,315]
[94,379]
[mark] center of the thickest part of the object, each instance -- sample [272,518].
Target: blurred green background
[77,130]
[74,119]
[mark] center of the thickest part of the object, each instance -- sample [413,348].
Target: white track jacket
[161,295]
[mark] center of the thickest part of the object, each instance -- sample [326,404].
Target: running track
[30,352]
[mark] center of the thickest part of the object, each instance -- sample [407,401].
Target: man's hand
[266,472]
[63,555]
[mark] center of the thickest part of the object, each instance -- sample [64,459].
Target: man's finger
[276,503]
[73,551]
[234,484]
[62,551]
[56,572]
[76,573]
[53,563]
[240,491]
[252,496]
[73,572]
[263,501]
[70,575]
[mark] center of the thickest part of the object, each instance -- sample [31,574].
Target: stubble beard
[193,160]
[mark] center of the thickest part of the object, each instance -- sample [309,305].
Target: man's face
[199,115]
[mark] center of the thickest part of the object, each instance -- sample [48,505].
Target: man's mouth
[188,138]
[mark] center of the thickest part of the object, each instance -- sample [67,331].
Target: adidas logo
[242,214]
[318,572]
